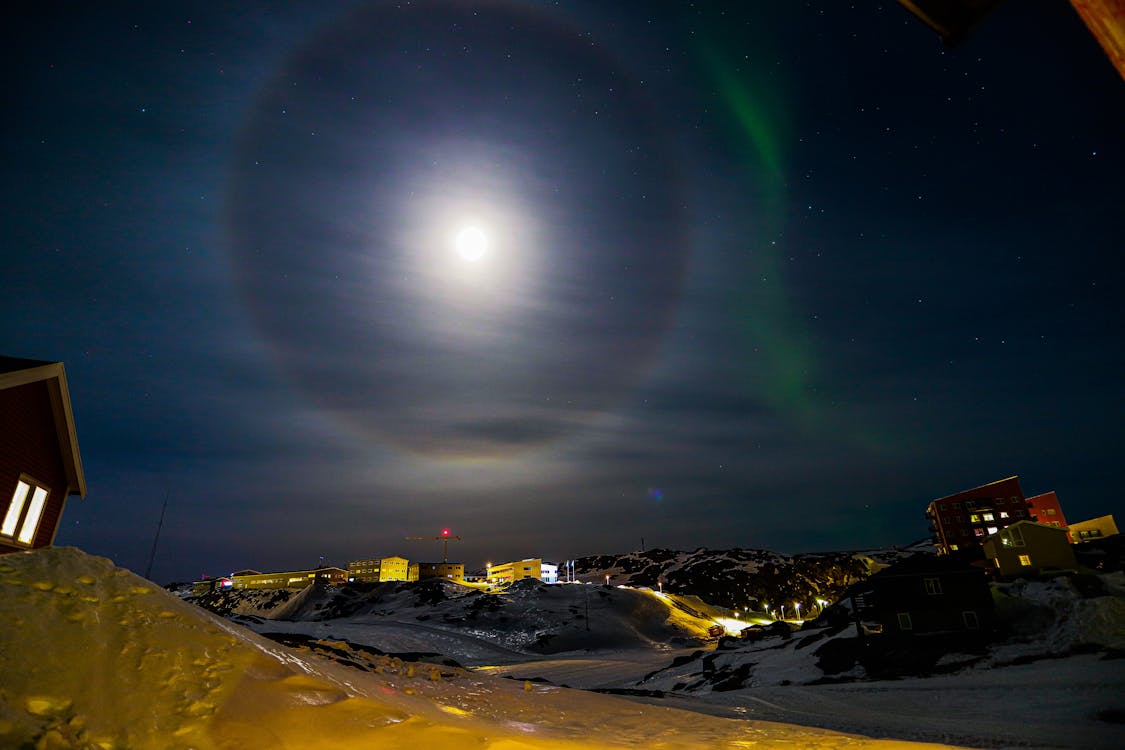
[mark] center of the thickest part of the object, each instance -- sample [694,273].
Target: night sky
[560,276]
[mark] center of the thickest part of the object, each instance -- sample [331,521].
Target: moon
[471,243]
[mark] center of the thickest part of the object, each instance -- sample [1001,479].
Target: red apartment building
[965,519]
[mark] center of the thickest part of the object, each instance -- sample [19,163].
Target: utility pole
[155,539]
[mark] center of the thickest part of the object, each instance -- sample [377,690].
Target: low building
[1028,547]
[549,573]
[1094,528]
[925,597]
[39,462]
[447,570]
[532,567]
[381,570]
[294,579]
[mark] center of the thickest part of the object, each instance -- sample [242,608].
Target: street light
[798,606]
[607,579]
[661,585]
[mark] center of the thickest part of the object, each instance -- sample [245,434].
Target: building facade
[964,520]
[294,579]
[381,570]
[39,462]
[447,570]
[1027,547]
[1095,528]
[515,571]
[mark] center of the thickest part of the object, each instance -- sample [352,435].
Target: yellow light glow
[15,508]
[731,625]
[31,522]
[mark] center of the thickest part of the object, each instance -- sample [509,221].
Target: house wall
[1029,548]
[932,609]
[29,445]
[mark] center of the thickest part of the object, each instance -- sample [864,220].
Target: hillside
[743,578]
[528,617]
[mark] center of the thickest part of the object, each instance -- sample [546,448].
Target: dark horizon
[735,276]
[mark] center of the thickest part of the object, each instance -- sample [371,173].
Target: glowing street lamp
[661,585]
[798,606]
[607,579]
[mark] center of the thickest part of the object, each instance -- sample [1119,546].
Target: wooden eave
[55,376]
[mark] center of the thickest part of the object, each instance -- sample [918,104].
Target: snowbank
[96,657]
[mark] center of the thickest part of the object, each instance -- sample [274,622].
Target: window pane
[13,515]
[31,523]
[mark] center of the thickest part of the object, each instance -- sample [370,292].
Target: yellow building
[1095,528]
[1029,547]
[381,570]
[448,570]
[514,571]
[295,579]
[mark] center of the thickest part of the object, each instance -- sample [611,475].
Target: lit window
[992,530]
[953,547]
[933,586]
[1050,511]
[978,532]
[1025,560]
[974,518]
[23,515]
[1003,514]
[904,621]
[988,517]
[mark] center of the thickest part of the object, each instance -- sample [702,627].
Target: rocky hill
[744,578]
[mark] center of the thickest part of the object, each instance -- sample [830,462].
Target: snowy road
[1076,703]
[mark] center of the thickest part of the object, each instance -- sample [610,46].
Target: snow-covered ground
[95,657]
[1037,688]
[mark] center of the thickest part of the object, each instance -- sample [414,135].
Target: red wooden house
[39,462]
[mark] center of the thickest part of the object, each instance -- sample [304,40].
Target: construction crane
[444,538]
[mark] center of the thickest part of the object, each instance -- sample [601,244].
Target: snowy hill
[528,617]
[743,578]
[94,657]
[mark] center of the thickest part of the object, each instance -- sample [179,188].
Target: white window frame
[24,512]
[932,586]
[904,621]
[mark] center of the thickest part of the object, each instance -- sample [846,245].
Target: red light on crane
[445,532]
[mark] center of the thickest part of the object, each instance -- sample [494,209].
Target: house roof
[925,564]
[981,487]
[1025,523]
[17,371]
